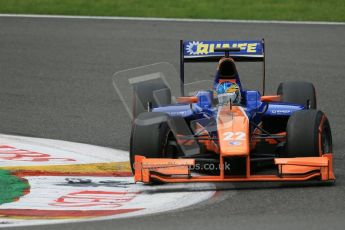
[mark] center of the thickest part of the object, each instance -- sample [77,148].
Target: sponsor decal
[281,111]
[9,153]
[88,198]
[235,143]
[196,48]
[61,198]
[93,183]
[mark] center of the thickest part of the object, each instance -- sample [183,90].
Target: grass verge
[300,10]
[11,187]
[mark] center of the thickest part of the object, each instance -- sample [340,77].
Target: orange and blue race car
[228,133]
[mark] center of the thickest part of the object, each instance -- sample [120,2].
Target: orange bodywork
[144,166]
[303,165]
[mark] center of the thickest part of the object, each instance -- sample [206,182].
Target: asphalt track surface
[55,82]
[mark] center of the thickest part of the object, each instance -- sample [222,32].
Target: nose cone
[227,68]
[233,131]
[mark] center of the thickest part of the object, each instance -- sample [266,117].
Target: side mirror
[187,100]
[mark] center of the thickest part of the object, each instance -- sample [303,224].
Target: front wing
[149,170]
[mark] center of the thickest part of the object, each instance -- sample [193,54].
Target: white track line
[80,153]
[172,19]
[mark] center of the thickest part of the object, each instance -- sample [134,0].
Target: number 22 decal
[237,136]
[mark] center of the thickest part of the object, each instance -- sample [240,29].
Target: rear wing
[210,51]
[204,51]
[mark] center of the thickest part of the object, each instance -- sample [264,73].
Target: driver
[227,84]
[228,92]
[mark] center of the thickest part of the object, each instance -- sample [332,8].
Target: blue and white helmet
[228,91]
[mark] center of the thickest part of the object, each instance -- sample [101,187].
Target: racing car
[228,133]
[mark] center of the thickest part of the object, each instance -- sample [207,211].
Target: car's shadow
[233,186]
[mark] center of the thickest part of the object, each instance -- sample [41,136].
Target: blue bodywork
[254,108]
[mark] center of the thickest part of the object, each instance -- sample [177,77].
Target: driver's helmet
[228,91]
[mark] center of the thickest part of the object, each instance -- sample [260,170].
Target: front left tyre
[150,137]
[308,134]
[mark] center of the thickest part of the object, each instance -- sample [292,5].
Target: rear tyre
[308,134]
[153,91]
[298,92]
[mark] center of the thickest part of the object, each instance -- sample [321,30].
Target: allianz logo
[281,111]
